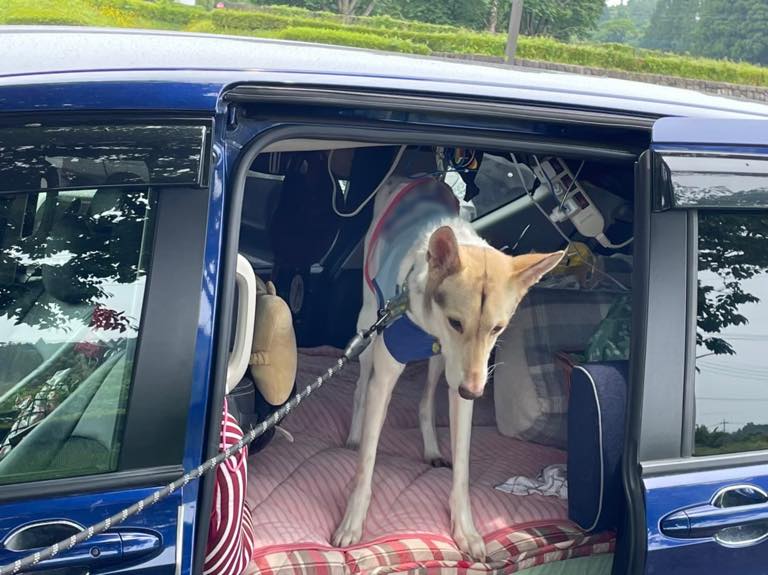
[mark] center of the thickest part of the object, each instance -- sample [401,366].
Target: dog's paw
[470,542]
[347,534]
[440,462]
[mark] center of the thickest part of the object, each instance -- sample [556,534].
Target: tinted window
[60,157]
[732,336]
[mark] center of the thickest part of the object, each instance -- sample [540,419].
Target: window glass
[73,271]
[36,156]
[498,180]
[732,336]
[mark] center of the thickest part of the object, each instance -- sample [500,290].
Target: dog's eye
[497,329]
[456,324]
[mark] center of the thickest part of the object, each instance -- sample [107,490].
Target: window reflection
[73,271]
[732,336]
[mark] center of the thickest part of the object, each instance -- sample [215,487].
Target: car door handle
[106,548]
[736,516]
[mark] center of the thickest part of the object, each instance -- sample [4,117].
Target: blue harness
[415,206]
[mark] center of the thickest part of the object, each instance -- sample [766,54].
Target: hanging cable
[360,208]
[533,199]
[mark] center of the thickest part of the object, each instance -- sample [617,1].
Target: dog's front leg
[464,532]
[432,453]
[361,392]
[385,373]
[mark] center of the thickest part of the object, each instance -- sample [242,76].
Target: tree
[561,20]
[350,8]
[493,16]
[673,26]
[625,23]
[619,31]
[733,29]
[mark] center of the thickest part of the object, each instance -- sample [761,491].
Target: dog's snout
[467,393]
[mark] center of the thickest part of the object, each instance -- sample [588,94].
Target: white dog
[462,293]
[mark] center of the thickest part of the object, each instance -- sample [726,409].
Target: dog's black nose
[467,394]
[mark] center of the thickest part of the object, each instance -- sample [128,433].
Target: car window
[498,181]
[731,376]
[73,273]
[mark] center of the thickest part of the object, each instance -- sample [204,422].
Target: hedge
[165,12]
[51,12]
[349,38]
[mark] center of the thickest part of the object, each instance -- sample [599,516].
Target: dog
[462,293]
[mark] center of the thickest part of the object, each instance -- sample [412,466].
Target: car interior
[554,405]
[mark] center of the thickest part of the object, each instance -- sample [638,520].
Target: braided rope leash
[353,350]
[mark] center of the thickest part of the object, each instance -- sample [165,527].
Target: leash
[393,309]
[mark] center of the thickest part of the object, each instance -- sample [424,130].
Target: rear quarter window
[732,333]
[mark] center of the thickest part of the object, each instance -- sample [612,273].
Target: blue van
[143,175]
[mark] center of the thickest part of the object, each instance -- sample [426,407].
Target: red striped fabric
[230,534]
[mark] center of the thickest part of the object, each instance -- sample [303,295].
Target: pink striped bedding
[297,491]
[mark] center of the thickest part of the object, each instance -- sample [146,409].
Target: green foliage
[350,38]
[619,31]
[162,11]
[751,437]
[673,26]
[733,29]
[555,18]
[625,23]
[51,12]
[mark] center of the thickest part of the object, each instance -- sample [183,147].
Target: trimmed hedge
[349,38]
[164,12]
[51,12]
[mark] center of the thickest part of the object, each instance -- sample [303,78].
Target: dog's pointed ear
[529,268]
[443,253]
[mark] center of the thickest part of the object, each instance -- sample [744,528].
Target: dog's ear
[443,253]
[529,268]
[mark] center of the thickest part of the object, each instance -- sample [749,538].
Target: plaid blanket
[530,389]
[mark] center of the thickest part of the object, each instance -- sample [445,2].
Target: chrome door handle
[103,549]
[737,516]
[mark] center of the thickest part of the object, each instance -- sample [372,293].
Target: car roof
[35,55]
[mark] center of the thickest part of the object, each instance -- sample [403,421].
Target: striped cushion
[230,534]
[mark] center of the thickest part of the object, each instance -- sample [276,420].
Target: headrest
[273,352]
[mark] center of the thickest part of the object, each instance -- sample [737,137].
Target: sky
[734,388]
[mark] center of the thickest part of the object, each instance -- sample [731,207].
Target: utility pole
[515,17]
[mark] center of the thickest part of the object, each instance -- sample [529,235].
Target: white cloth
[552,482]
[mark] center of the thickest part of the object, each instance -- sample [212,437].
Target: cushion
[301,484]
[273,352]
[531,394]
[596,416]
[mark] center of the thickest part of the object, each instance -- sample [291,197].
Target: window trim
[110,481]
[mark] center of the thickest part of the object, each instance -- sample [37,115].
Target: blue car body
[82,73]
